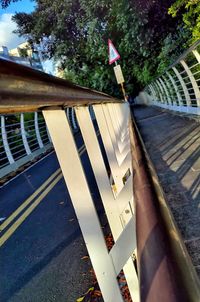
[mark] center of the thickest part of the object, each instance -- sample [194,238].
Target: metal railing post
[164,84]
[23,133]
[153,92]
[74,119]
[192,80]
[175,88]
[155,85]
[37,131]
[83,204]
[5,141]
[114,207]
[197,55]
[160,88]
[187,96]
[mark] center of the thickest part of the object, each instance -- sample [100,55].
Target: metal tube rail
[23,89]
[183,75]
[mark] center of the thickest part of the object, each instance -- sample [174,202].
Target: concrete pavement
[173,143]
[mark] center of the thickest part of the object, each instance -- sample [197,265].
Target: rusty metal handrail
[24,89]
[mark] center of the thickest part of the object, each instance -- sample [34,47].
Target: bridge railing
[179,87]
[24,137]
[138,217]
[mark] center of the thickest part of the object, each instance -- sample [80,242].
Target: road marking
[19,221]
[29,210]
[28,201]
[81,150]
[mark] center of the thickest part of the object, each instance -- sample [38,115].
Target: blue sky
[21,6]
[7,38]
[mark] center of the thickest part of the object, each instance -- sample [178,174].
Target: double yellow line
[45,188]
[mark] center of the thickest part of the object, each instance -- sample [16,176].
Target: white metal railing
[22,138]
[115,188]
[179,87]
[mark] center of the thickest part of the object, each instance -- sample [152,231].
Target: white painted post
[23,133]
[170,89]
[37,131]
[155,86]
[83,204]
[165,87]
[5,141]
[162,93]
[48,134]
[192,80]
[113,121]
[197,55]
[73,119]
[120,155]
[117,171]
[112,206]
[175,88]
[187,96]
[153,92]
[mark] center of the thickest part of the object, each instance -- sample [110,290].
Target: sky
[7,37]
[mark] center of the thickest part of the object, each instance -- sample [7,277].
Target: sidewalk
[173,143]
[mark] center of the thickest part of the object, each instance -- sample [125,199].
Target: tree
[190,12]
[75,33]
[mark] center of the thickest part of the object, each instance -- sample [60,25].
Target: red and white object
[113,53]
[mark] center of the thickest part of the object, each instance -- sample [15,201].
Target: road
[41,242]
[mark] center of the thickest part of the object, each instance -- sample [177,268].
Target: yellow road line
[19,221]
[28,211]
[27,201]
[81,150]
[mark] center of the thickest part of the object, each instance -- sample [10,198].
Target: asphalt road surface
[41,242]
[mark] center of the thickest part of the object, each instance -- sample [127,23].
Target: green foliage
[190,11]
[75,33]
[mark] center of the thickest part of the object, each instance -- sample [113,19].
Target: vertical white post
[153,92]
[168,98]
[175,88]
[187,96]
[48,134]
[83,204]
[155,86]
[161,92]
[197,55]
[116,129]
[73,119]
[37,132]
[23,133]
[5,141]
[192,80]
[107,142]
[120,155]
[112,206]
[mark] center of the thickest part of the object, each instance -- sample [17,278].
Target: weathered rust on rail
[25,89]
[165,270]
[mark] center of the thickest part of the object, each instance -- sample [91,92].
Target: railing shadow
[173,144]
